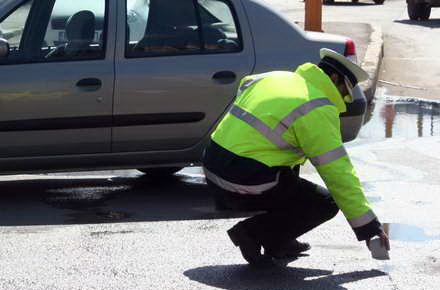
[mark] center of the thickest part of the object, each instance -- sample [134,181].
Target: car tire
[379,2]
[354,1]
[160,172]
[418,11]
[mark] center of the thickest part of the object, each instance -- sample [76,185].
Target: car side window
[75,31]
[219,29]
[11,29]
[169,27]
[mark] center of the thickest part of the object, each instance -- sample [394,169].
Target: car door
[177,71]
[56,84]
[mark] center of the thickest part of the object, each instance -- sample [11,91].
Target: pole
[389,114]
[313,17]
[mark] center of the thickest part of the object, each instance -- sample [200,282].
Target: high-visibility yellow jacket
[283,118]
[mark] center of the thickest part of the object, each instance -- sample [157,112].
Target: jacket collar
[314,75]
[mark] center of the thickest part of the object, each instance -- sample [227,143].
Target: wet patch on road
[114,215]
[393,116]
[409,233]
[387,268]
[81,197]
[97,215]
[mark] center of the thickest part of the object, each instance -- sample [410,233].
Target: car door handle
[89,84]
[224,77]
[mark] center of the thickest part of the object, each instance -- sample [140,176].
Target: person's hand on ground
[384,241]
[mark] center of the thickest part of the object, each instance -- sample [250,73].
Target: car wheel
[160,172]
[379,1]
[354,1]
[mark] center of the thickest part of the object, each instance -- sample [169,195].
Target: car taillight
[350,50]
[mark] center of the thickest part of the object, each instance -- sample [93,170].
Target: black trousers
[292,208]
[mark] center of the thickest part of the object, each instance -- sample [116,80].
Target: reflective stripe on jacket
[283,118]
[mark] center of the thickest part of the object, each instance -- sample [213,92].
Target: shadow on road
[243,277]
[431,23]
[100,200]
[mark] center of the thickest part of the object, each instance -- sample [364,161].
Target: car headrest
[81,26]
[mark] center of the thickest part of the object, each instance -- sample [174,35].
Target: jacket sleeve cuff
[368,231]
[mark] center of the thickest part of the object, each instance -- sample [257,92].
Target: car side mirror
[4,48]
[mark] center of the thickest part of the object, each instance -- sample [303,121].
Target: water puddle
[390,116]
[409,233]
[74,197]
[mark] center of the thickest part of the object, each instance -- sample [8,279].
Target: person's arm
[318,134]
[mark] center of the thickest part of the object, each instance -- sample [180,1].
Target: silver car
[107,84]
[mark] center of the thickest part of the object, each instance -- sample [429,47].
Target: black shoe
[287,250]
[249,247]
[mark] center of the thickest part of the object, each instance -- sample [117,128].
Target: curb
[372,62]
